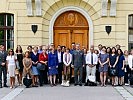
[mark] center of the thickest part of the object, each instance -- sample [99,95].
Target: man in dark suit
[3,68]
[60,63]
[78,62]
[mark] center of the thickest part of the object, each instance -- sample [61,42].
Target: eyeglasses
[11,51]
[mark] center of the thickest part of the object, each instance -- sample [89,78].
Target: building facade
[88,22]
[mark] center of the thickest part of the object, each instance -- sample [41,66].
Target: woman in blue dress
[52,65]
[35,58]
[113,59]
[120,67]
[103,68]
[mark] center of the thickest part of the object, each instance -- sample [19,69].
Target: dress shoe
[41,85]
[54,84]
[80,84]
[5,85]
[34,86]
[86,84]
[75,84]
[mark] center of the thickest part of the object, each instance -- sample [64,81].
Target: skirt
[11,70]
[34,70]
[53,71]
[103,69]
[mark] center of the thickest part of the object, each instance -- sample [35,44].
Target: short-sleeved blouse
[11,60]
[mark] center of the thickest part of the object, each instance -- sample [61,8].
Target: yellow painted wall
[24,36]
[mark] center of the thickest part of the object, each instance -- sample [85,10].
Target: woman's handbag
[27,81]
[113,71]
[16,71]
[17,64]
[40,66]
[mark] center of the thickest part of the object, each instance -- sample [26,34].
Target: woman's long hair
[20,49]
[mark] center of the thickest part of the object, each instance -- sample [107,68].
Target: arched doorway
[71,26]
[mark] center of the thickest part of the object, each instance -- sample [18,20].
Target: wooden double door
[66,37]
[71,26]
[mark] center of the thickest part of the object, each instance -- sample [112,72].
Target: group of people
[45,64]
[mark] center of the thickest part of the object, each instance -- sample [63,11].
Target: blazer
[52,59]
[88,58]
[78,59]
[130,61]
[3,57]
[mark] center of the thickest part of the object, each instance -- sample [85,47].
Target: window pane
[1,42]
[10,44]
[1,34]
[1,20]
[10,20]
[10,35]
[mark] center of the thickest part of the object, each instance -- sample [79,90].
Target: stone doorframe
[72,8]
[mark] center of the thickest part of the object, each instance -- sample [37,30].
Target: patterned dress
[103,58]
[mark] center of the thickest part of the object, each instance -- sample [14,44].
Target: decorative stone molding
[113,8]
[104,7]
[38,7]
[29,7]
[70,8]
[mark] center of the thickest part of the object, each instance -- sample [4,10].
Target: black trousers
[41,78]
[97,73]
[60,69]
[126,74]
[71,78]
[45,75]
[4,71]
[84,74]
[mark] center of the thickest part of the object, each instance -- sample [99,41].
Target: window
[7,30]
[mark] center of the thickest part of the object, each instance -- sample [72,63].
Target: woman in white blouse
[11,67]
[67,59]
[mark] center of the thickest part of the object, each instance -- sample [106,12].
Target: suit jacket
[3,57]
[78,59]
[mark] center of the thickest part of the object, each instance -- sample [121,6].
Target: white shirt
[88,58]
[130,61]
[67,61]
[59,57]
[11,60]
[100,51]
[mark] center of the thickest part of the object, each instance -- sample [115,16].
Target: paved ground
[61,93]
[129,89]
[4,92]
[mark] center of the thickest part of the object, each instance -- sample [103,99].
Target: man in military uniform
[78,62]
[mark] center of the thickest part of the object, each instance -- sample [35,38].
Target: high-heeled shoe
[54,84]
[101,85]
[51,85]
